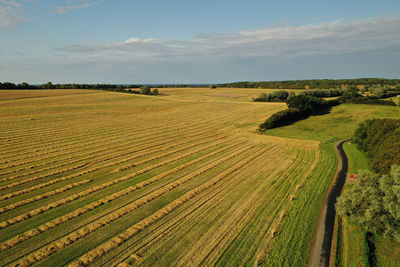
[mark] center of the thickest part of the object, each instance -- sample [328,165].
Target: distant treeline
[292,84]
[49,85]
[312,84]
[144,90]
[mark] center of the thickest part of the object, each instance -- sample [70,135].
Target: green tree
[48,85]
[374,202]
[145,90]
[305,103]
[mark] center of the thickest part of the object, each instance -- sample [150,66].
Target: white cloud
[11,14]
[70,6]
[339,49]
[137,40]
[338,37]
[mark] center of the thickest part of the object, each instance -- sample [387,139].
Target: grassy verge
[357,159]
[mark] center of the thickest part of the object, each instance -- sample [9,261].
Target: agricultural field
[118,179]
[216,94]
[18,94]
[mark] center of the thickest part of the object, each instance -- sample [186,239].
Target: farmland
[111,178]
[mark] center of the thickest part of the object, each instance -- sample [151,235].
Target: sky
[187,41]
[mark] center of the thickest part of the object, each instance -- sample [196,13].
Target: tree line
[290,84]
[313,84]
[50,85]
[144,90]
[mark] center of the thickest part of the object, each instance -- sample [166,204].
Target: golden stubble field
[108,178]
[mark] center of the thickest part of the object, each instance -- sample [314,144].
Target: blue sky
[121,41]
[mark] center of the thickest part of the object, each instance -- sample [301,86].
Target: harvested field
[108,178]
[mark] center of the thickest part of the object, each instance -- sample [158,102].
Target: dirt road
[323,236]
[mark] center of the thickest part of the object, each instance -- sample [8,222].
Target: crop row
[190,121]
[92,255]
[201,252]
[92,227]
[186,120]
[101,139]
[200,208]
[42,176]
[131,165]
[84,172]
[92,154]
[252,225]
[116,181]
[84,147]
[35,198]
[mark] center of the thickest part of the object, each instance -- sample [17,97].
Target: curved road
[321,249]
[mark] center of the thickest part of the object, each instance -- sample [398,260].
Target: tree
[306,103]
[155,91]
[48,85]
[374,202]
[145,90]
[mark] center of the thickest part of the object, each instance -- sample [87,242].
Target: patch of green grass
[357,159]
[354,249]
[340,123]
